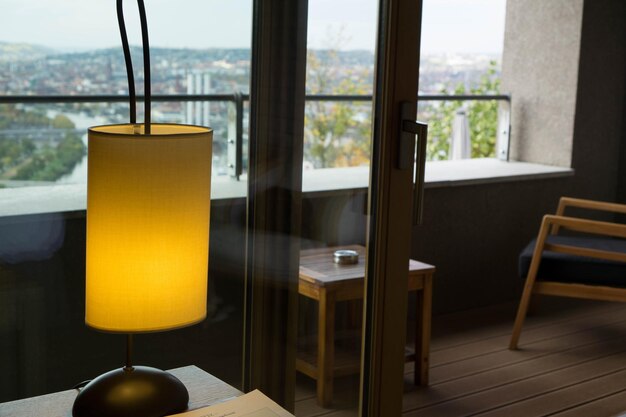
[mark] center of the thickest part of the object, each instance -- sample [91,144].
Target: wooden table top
[317,266]
[204,389]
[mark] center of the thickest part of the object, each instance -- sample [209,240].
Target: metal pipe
[113,98]
[239,135]
[146,66]
[129,63]
[129,352]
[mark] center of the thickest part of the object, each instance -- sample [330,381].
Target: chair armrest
[586,226]
[589,204]
[586,204]
[580,225]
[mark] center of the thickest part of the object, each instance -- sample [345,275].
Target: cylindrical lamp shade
[148,205]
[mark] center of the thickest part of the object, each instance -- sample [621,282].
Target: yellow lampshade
[148,204]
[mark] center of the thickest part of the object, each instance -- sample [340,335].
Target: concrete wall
[540,70]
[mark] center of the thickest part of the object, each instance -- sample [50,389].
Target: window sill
[486,171]
[438,174]
[72,197]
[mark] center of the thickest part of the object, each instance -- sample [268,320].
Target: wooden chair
[592,267]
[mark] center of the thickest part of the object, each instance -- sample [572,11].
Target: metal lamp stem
[129,64]
[129,352]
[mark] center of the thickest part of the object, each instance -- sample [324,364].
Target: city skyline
[449,26]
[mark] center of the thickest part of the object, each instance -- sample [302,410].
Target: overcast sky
[448,25]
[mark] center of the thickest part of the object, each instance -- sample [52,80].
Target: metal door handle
[412,157]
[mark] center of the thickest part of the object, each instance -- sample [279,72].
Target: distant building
[198,112]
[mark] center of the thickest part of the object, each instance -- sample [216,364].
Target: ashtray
[346,257]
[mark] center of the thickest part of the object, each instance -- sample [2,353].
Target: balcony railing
[235,129]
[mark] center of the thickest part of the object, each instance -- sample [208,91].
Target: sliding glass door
[331,202]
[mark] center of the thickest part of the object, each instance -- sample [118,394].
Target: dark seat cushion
[578,269]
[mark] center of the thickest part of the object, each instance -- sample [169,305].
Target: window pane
[337,141]
[340,63]
[462,55]
[62,50]
[198,47]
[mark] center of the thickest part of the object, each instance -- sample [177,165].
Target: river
[82,122]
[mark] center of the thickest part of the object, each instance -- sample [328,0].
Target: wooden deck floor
[571,363]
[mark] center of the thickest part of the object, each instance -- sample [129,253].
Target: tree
[51,163]
[61,121]
[482,115]
[337,133]
[45,157]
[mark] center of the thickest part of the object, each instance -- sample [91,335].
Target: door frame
[390,208]
[274,204]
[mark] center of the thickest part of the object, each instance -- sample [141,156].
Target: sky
[449,26]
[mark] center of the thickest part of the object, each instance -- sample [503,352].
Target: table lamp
[148,204]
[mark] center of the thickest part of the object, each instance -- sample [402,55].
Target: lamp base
[140,391]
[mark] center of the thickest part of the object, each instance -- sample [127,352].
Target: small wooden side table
[204,389]
[327,283]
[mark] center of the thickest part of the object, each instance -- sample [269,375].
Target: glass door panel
[345,177]
[337,158]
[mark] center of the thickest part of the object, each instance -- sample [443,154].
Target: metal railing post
[235,136]
[239,129]
[503,139]
[231,148]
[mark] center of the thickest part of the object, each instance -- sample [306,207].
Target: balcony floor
[571,362]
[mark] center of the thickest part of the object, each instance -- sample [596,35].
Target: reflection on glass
[337,140]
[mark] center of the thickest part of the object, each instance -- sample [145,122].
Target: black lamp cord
[129,64]
[81,384]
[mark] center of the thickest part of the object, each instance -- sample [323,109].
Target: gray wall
[540,71]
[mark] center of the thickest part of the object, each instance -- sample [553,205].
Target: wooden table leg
[325,347]
[422,335]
